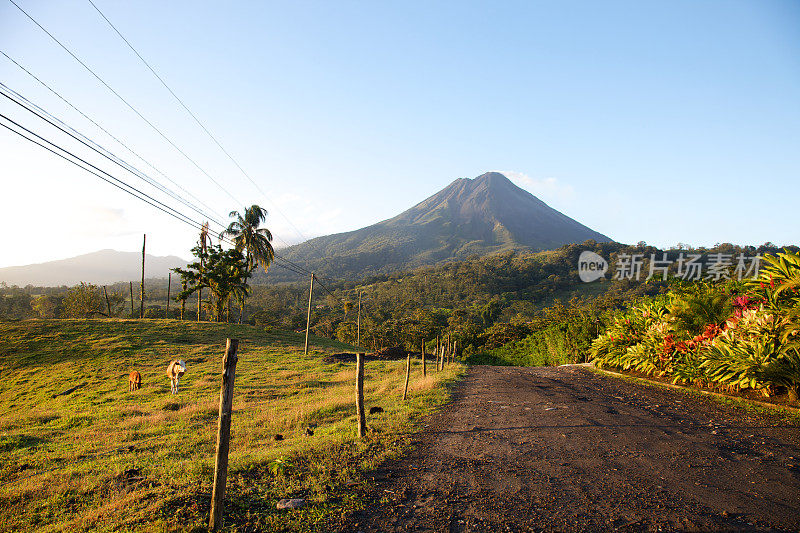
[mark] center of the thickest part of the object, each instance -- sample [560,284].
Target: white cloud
[549,190]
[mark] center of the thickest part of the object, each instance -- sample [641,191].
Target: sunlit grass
[64,456]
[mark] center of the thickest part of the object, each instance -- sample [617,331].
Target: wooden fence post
[308,317]
[408,373]
[449,351]
[358,321]
[223,434]
[362,418]
[424,370]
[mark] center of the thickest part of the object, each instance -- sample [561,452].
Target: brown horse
[134,381]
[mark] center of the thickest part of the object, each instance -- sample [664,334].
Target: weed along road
[566,449]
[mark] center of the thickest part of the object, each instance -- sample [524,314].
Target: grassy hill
[103,459]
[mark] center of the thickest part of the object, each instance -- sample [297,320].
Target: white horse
[174,371]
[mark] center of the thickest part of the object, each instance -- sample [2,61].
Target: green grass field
[103,459]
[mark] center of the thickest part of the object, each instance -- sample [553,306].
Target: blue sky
[658,121]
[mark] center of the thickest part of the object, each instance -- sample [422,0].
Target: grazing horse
[134,381]
[174,371]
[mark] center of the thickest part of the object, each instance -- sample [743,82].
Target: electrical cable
[104,130]
[205,129]
[101,80]
[93,146]
[144,197]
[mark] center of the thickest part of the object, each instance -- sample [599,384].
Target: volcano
[482,215]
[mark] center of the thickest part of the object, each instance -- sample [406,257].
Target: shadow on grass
[9,443]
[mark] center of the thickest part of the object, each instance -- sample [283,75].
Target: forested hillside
[483,302]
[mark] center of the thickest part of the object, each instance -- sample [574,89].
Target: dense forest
[490,304]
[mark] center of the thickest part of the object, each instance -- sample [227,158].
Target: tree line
[485,302]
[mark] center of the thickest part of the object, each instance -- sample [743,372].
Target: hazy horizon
[664,123]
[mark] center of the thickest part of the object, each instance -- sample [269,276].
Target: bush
[83,301]
[728,335]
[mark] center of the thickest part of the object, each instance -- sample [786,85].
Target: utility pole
[308,317]
[131,299]
[203,249]
[169,286]
[358,321]
[108,305]
[141,291]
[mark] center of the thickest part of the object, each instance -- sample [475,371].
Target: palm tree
[249,238]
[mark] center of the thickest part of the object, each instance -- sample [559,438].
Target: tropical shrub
[738,356]
[728,335]
[624,332]
[695,306]
[778,281]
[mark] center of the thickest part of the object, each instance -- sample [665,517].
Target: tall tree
[253,240]
[249,238]
[224,272]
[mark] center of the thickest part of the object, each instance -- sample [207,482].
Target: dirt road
[564,449]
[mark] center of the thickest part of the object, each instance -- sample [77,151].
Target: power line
[205,129]
[293,267]
[289,265]
[92,145]
[120,184]
[112,180]
[76,58]
[199,123]
[104,130]
[324,287]
[300,267]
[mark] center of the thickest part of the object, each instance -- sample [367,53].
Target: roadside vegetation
[729,336]
[98,458]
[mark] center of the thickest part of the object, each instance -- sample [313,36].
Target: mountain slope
[483,215]
[103,267]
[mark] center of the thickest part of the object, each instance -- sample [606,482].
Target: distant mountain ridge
[102,267]
[483,215]
[478,216]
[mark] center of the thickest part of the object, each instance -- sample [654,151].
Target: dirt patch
[564,449]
